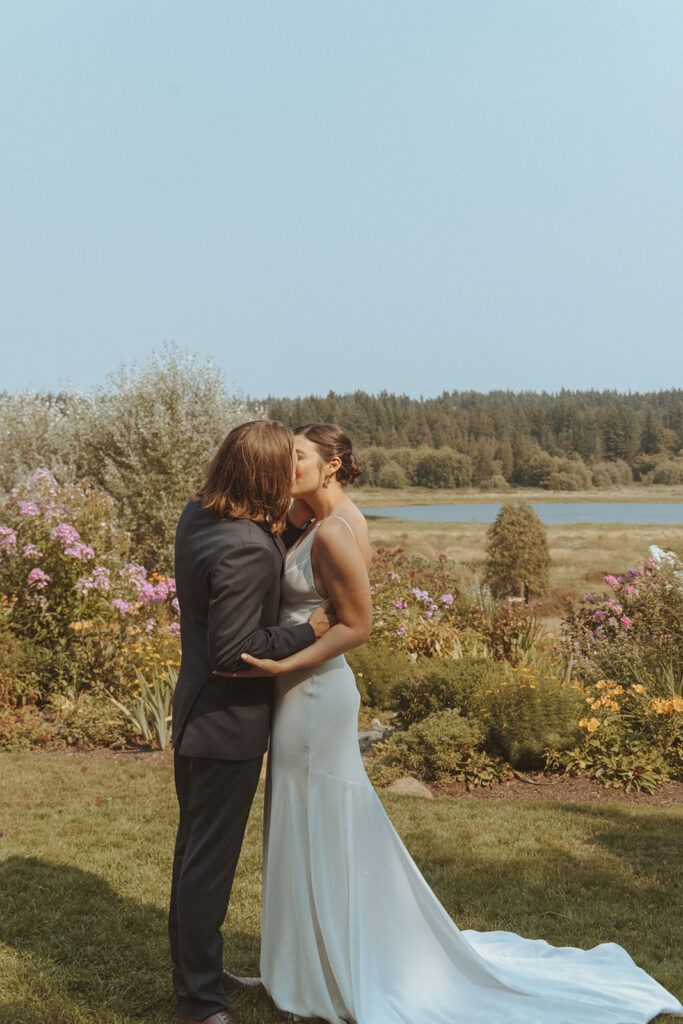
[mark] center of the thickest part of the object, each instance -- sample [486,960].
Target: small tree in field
[517,550]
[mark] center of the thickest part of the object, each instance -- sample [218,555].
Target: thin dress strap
[343,521]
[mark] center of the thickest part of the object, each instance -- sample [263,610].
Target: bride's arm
[343,577]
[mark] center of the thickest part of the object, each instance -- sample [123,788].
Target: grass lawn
[85,863]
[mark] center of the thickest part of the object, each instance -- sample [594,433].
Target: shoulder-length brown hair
[250,476]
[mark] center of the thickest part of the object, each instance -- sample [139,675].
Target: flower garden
[89,651]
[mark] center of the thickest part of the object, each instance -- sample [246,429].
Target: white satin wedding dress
[351,930]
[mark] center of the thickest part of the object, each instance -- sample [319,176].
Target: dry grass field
[581,553]
[382,496]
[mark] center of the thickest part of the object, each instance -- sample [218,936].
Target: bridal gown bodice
[351,931]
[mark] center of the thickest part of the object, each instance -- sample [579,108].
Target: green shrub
[517,550]
[613,765]
[436,684]
[89,720]
[24,667]
[24,728]
[443,746]
[630,738]
[376,670]
[528,710]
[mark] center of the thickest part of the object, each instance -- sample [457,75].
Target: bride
[351,931]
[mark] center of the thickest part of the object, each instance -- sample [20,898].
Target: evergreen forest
[566,441]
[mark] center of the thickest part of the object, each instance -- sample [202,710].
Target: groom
[229,558]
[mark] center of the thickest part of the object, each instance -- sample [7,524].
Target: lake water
[552,513]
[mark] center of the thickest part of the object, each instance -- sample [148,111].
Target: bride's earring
[326,481]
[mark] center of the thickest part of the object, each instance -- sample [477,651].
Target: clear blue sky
[415,196]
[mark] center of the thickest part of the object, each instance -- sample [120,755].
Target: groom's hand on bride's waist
[322,619]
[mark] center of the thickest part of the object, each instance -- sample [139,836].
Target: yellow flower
[677,703]
[600,685]
[619,690]
[638,688]
[593,724]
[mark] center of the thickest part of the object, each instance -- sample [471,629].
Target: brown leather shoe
[235,983]
[222,1017]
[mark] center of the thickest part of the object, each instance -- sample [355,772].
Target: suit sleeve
[240,581]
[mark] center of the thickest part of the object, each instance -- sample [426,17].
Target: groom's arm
[240,583]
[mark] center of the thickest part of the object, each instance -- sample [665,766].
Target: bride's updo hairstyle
[333,442]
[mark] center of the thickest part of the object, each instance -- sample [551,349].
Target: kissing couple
[271,570]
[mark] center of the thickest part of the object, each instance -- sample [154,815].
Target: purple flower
[175,607]
[599,614]
[98,580]
[79,550]
[39,578]
[401,631]
[124,607]
[174,628]
[65,534]
[400,604]
[393,575]
[27,508]
[31,551]
[446,599]
[8,540]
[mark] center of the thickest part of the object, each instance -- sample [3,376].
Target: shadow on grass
[85,953]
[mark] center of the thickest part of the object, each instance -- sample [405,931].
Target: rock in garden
[411,787]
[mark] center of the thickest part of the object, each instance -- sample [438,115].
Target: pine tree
[517,550]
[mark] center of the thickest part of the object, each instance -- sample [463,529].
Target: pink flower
[79,550]
[446,599]
[39,578]
[124,607]
[8,540]
[625,621]
[65,534]
[31,551]
[401,632]
[612,581]
[27,508]
[98,580]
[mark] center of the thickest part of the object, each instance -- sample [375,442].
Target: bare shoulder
[344,529]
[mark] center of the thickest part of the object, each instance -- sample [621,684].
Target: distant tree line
[145,438]
[569,441]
